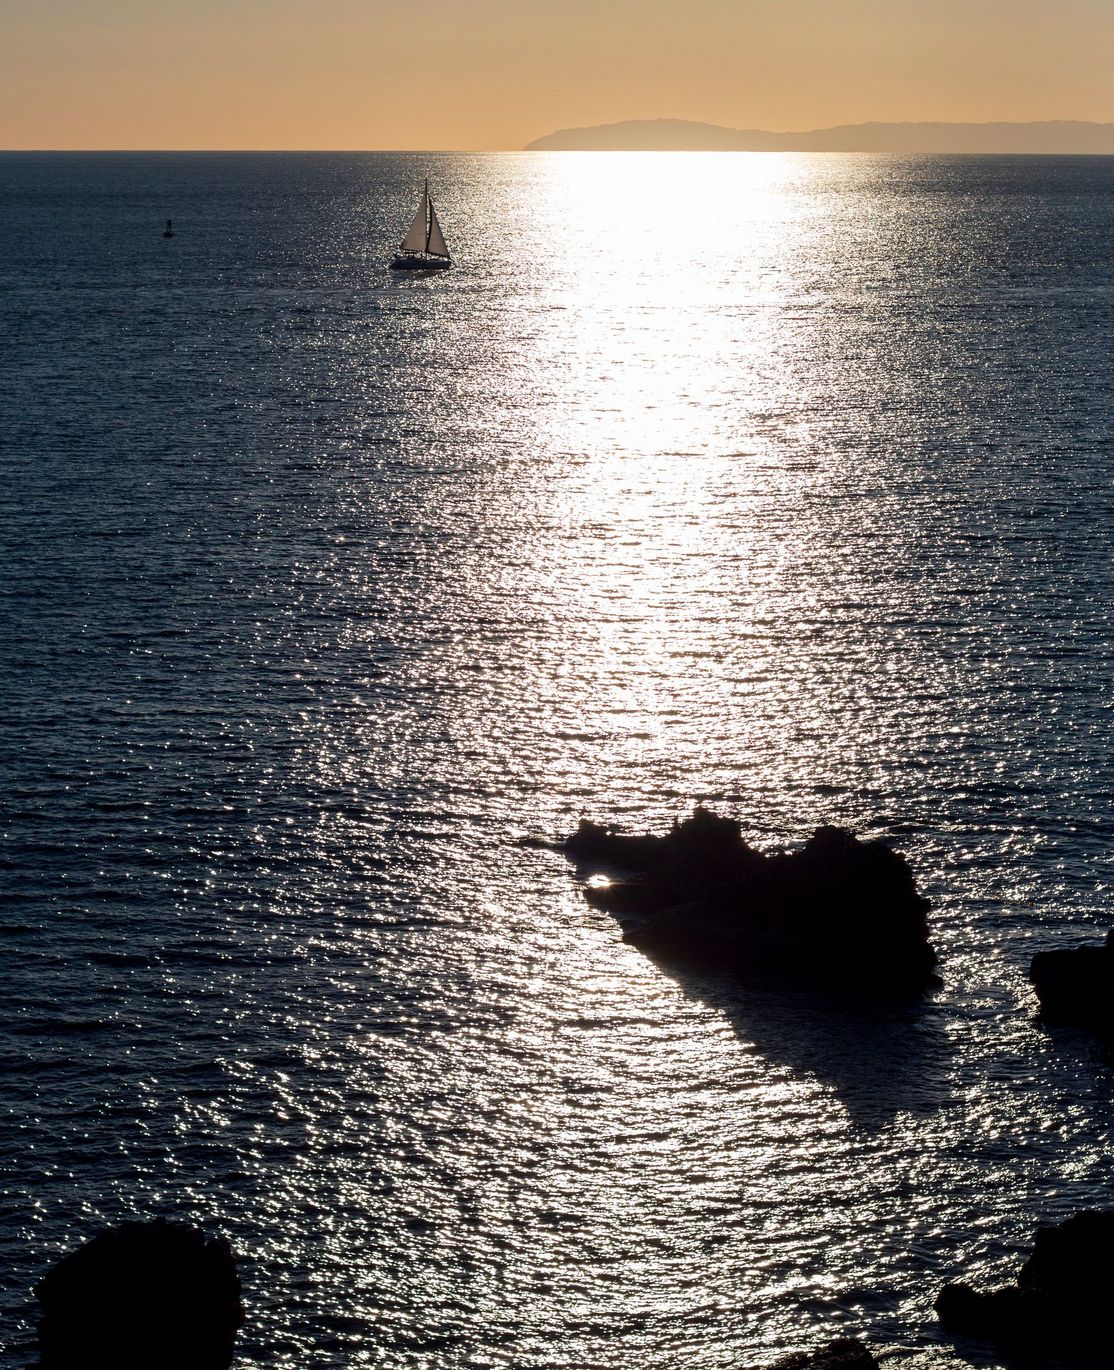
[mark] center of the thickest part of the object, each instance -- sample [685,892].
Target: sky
[494,74]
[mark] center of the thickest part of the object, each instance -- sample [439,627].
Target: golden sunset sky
[492,74]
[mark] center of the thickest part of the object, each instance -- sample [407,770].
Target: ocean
[775,483]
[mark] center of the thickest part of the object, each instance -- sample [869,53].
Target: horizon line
[620,123]
[506,152]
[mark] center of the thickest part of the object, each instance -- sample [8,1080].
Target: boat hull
[414,262]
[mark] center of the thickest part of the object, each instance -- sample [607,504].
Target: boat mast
[428,216]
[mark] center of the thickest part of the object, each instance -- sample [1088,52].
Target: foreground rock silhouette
[1077,986]
[1061,1299]
[840,1355]
[140,1296]
[840,912]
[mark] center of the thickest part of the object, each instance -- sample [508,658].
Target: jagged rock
[840,911]
[840,1355]
[138,1296]
[1077,986]
[1061,1297]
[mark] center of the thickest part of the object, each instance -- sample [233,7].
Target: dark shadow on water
[984,1354]
[880,1058]
[1081,1043]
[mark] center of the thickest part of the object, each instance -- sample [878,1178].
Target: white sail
[436,244]
[415,234]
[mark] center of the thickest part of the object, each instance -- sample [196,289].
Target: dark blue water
[782,483]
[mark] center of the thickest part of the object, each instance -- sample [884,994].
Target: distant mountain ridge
[683,135]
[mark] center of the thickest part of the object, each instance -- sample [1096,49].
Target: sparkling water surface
[777,483]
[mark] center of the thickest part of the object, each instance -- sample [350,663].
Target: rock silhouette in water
[840,1355]
[841,911]
[140,1296]
[1062,1295]
[1077,986]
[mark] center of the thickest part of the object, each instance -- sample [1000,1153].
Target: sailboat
[424,247]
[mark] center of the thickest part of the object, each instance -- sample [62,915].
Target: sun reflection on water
[672,273]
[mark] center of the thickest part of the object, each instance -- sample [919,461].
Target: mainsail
[415,239]
[436,240]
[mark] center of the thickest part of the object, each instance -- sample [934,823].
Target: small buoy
[168,231]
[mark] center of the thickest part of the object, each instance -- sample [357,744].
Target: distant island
[682,135]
